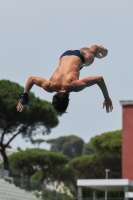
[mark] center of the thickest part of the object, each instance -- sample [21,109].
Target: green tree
[87,167]
[53,176]
[70,146]
[37,141]
[39,118]
[87,149]
[32,161]
[40,166]
[107,147]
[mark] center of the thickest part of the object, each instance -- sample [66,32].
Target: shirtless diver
[65,79]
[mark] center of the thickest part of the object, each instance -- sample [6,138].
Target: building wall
[127,141]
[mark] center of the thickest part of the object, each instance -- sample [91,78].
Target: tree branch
[2,137]
[21,130]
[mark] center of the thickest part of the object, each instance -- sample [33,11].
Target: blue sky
[33,35]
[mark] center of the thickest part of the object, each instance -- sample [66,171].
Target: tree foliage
[87,149]
[48,167]
[39,118]
[70,146]
[107,147]
[32,161]
[109,142]
[87,167]
[37,141]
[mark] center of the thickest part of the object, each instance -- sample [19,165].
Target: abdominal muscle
[66,72]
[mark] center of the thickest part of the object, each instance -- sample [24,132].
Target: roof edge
[126,102]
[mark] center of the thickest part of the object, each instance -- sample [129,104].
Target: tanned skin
[66,76]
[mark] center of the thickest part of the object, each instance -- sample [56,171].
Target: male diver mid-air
[65,79]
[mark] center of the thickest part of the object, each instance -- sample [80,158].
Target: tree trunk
[5,159]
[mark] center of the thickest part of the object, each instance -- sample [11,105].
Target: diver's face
[101,53]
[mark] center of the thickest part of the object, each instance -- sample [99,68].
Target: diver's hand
[23,102]
[19,107]
[108,104]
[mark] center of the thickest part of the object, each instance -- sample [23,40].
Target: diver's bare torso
[67,72]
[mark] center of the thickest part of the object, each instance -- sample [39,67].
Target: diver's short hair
[60,102]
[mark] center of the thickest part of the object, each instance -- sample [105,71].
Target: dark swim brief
[75,53]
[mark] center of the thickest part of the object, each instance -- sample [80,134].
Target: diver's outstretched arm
[41,82]
[89,81]
[32,80]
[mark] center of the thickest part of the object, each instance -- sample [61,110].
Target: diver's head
[60,102]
